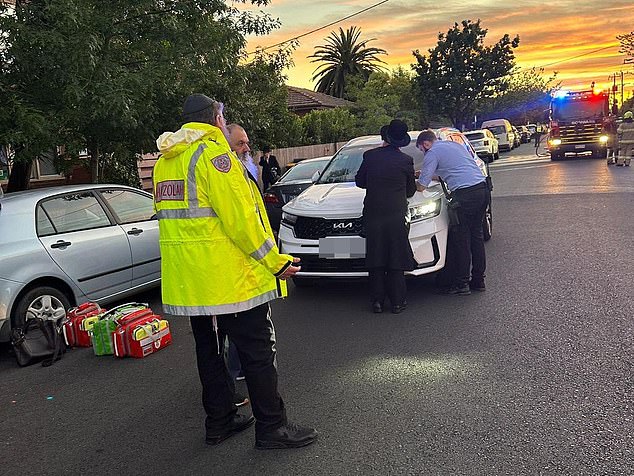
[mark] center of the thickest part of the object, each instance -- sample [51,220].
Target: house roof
[304,99]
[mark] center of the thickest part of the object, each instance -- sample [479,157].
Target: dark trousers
[387,281]
[467,238]
[233,361]
[253,334]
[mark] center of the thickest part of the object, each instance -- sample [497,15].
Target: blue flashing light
[561,94]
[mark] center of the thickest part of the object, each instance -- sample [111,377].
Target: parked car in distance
[62,246]
[484,143]
[517,137]
[291,184]
[525,134]
[532,128]
[324,227]
[503,132]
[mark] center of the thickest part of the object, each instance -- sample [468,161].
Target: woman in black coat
[387,174]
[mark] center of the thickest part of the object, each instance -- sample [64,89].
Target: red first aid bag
[140,334]
[78,323]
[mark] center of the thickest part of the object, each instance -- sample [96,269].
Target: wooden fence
[284,156]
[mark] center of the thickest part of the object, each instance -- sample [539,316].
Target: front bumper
[428,239]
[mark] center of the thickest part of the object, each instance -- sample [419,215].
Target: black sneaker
[477,286]
[463,290]
[286,436]
[240,400]
[377,307]
[239,423]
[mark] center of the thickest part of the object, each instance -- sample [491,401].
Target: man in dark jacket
[270,168]
[387,174]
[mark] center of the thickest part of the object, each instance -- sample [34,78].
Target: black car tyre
[496,156]
[487,224]
[556,155]
[44,302]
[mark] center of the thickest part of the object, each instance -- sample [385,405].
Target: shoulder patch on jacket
[222,163]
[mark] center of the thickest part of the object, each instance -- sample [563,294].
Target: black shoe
[239,423]
[377,307]
[477,286]
[458,290]
[286,436]
[399,308]
[240,400]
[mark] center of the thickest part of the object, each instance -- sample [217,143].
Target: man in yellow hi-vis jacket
[221,267]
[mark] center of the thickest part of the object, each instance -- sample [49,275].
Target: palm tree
[342,56]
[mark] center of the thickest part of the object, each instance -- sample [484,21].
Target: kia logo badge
[342,225]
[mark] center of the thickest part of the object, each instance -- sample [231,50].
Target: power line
[321,27]
[577,56]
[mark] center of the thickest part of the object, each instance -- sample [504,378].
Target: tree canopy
[344,56]
[111,76]
[524,98]
[462,70]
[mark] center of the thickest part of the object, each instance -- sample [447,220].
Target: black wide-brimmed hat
[396,134]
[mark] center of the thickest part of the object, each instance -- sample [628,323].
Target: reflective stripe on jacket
[218,254]
[626,133]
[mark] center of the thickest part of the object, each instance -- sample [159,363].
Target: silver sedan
[63,246]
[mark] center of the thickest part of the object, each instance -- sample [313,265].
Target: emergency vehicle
[576,123]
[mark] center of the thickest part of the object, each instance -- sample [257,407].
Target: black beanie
[196,103]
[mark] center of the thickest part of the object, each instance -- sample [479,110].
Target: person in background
[270,168]
[458,169]
[387,174]
[220,267]
[609,129]
[625,134]
[239,143]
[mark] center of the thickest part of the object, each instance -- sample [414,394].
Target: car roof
[376,139]
[315,159]
[475,131]
[35,195]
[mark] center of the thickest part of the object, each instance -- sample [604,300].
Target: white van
[503,131]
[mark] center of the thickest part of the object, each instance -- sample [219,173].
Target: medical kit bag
[79,322]
[102,333]
[140,334]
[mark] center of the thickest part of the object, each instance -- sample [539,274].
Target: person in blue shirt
[457,167]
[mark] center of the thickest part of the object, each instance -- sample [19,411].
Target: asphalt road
[534,376]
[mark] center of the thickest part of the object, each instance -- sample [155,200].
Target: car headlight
[603,139]
[425,210]
[555,141]
[289,219]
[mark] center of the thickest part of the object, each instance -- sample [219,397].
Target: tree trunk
[20,176]
[94,163]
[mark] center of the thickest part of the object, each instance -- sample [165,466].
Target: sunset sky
[549,32]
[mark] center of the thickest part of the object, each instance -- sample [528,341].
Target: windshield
[497,129]
[475,136]
[344,165]
[304,170]
[592,109]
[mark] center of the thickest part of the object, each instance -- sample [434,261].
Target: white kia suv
[323,225]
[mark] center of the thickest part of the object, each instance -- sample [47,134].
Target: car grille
[579,133]
[315,264]
[309,228]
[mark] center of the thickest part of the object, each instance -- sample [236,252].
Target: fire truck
[576,123]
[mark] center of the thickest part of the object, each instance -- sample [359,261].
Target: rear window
[497,129]
[475,136]
[303,171]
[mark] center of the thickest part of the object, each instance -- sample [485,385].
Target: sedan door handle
[135,231]
[61,244]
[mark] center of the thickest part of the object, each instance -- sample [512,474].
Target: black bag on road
[39,340]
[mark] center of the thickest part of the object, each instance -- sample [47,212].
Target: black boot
[239,423]
[286,436]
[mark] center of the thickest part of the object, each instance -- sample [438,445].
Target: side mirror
[315,176]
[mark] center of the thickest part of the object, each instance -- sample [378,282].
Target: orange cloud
[548,33]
